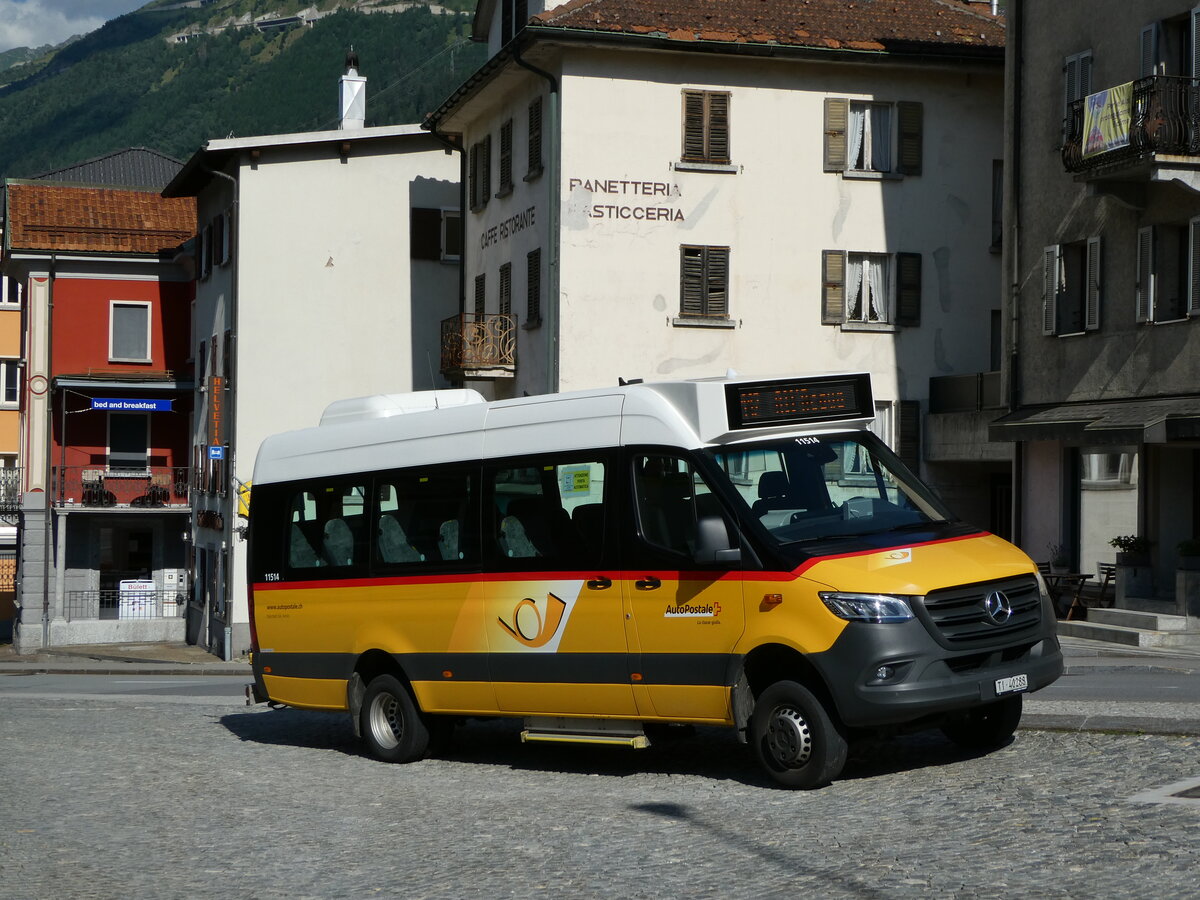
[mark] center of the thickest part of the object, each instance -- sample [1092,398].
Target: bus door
[554,621]
[685,617]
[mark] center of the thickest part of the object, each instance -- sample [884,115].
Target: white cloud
[32,23]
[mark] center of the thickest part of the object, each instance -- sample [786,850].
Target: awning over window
[1114,422]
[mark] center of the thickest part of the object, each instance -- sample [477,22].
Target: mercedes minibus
[724,552]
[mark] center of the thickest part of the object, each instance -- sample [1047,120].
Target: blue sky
[31,23]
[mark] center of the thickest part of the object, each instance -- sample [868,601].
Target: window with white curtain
[869,137]
[867,287]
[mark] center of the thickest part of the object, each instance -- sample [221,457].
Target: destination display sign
[799,400]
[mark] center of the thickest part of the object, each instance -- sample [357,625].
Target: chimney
[353,108]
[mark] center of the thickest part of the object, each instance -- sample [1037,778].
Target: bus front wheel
[794,738]
[390,723]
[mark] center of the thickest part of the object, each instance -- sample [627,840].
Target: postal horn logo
[527,624]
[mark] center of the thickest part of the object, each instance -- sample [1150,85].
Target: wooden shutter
[506,289]
[908,288]
[691,281]
[485,165]
[1195,23]
[474,174]
[1091,290]
[908,433]
[833,287]
[1144,292]
[1070,84]
[837,115]
[425,233]
[1194,267]
[693,126]
[716,281]
[533,286]
[1148,50]
[1085,75]
[535,136]
[718,127]
[1051,260]
[480,296]
[911,117]
[506,177]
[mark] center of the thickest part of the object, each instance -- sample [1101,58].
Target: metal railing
[124,604]
[121,487]
[1164,117]
[10,490]
[472,342]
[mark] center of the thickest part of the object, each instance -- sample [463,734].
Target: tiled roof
[872,25]
[54,217]
[134,167]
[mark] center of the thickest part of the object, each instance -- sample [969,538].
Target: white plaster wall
[328,297]
[620,278]
[324,284]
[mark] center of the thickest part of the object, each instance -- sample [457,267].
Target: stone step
[1130,637]
[1133,618]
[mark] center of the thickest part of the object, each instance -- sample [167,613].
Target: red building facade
[106,406]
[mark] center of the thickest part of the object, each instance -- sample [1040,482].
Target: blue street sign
[216,451]
[128,405]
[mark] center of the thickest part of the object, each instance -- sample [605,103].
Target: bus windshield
[818,487]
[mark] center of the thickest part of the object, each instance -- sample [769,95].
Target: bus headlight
[878,608]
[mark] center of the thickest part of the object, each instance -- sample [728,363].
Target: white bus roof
[427,428]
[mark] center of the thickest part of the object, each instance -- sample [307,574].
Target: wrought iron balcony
[479,346]
[10,490]
[94,486]
[1163,116]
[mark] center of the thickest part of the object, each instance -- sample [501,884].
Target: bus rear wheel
[794,738]
[390,723]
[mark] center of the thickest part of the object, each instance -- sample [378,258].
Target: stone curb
[1032,721]
[117,667]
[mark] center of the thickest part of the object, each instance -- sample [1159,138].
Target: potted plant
[1132,550]
[1060,561]
[1189,554]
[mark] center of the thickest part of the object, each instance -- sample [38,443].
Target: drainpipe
[554,186]
[230,508]
[462,220]
[47,527]
[1016,24]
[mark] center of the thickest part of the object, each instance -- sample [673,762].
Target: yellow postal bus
[719,552]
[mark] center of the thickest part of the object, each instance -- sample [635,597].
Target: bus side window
[553,512]
[304,533]
[671,498]
[423,518]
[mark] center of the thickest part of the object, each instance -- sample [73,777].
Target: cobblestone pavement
[106,798]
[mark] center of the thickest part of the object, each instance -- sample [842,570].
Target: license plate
[1012,684]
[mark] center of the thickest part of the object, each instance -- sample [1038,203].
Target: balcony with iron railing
[479,346]
[10,490]
[1130,134]
[150,487]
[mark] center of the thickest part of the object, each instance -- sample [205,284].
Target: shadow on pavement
[702,752]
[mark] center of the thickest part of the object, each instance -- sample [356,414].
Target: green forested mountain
[126,85]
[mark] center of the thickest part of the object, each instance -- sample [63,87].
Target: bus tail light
[250,607]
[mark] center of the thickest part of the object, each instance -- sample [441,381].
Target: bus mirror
[712,542]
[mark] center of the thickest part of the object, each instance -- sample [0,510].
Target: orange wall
[81,327]
[10,332]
